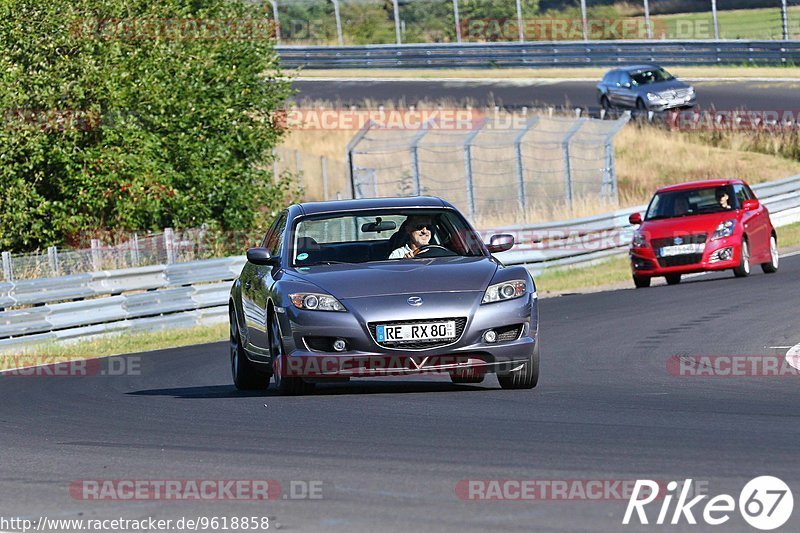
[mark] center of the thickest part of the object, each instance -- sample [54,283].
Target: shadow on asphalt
[327,389]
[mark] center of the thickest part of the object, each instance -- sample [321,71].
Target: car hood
[659,86]
[446,274]
[688,225]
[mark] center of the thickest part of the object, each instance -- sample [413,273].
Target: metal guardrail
[189,294]
[542,54]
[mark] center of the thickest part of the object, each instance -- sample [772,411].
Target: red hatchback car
[700,226]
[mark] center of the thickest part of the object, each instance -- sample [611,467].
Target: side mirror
[635,219]
[500,243]
[260,256]
[750,205]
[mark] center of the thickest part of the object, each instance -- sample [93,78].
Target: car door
[627,93]
[758,226]
[615,96]
[256,282]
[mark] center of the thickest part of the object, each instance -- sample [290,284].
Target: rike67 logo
[765,503]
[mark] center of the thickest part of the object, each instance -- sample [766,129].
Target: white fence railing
[196,293]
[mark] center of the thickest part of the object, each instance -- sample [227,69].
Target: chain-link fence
[331,22]
[494,171]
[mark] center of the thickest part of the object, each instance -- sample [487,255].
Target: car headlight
[639,240]
[316,302]
[508,290]
[725,229]
[691,91]
[652,97]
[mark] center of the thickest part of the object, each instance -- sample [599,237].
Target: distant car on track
[644,87]
[700,226]
[321,300]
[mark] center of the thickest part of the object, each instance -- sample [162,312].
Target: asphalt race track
[390,452]
[514,93]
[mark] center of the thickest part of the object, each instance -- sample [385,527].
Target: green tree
[135,114]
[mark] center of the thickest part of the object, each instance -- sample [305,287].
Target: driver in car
[418,229]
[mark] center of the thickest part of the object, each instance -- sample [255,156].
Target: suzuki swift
[701,226]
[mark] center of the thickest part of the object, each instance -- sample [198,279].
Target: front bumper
[665,104]
[364,357]
[644,262]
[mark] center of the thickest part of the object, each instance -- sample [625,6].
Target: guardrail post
[96,258]
[52,258]
[520,167]
[169,244]
[8,268]
[349,154]
[569,190]
[468,170]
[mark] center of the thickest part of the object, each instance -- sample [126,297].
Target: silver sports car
[380,287]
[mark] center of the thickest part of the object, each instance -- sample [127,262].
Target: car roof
[634,68]
[312,208]
[698,184]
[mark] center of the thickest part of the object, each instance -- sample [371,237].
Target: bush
[135,114]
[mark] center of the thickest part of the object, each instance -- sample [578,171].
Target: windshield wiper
[326,263]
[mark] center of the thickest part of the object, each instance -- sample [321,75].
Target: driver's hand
[413,253]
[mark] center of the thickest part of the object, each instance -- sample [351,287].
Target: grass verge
[52,352]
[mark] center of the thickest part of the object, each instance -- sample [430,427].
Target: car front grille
[461,322]
[508,333]
[697,238]
[680,260]
[674,93]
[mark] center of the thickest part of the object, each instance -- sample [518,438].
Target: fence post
[468,170]
[323,163]
[349,154]
[584,21]
[275,177]
[520,168]
[277,22]
[569,190]
[52,258]
[715,19]
[648,27]
[396,9]
[8,269]
[785,20]
[134,245]
[96,258]
[298,169]
[609,185]
[415,169]
[338,21]
[169,244]
[458,22]
[519,22]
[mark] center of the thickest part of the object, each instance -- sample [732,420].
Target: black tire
[525,378]
[641,282]
[467,376]
[604,103]
[673,279]
[245,375]
[772,266]
[743,270]
[286,385]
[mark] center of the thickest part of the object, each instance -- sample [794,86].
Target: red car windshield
[690,202]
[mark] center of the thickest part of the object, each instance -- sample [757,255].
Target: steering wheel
[433,250]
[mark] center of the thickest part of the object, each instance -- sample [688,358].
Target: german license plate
[682,249]
[432,331]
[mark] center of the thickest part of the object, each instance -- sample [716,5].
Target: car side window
[275,244]
[750,194]
[741,194]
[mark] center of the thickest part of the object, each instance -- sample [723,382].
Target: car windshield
[647,76]
[691,202]
[383,235]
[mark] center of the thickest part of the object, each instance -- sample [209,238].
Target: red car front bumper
[645,263]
